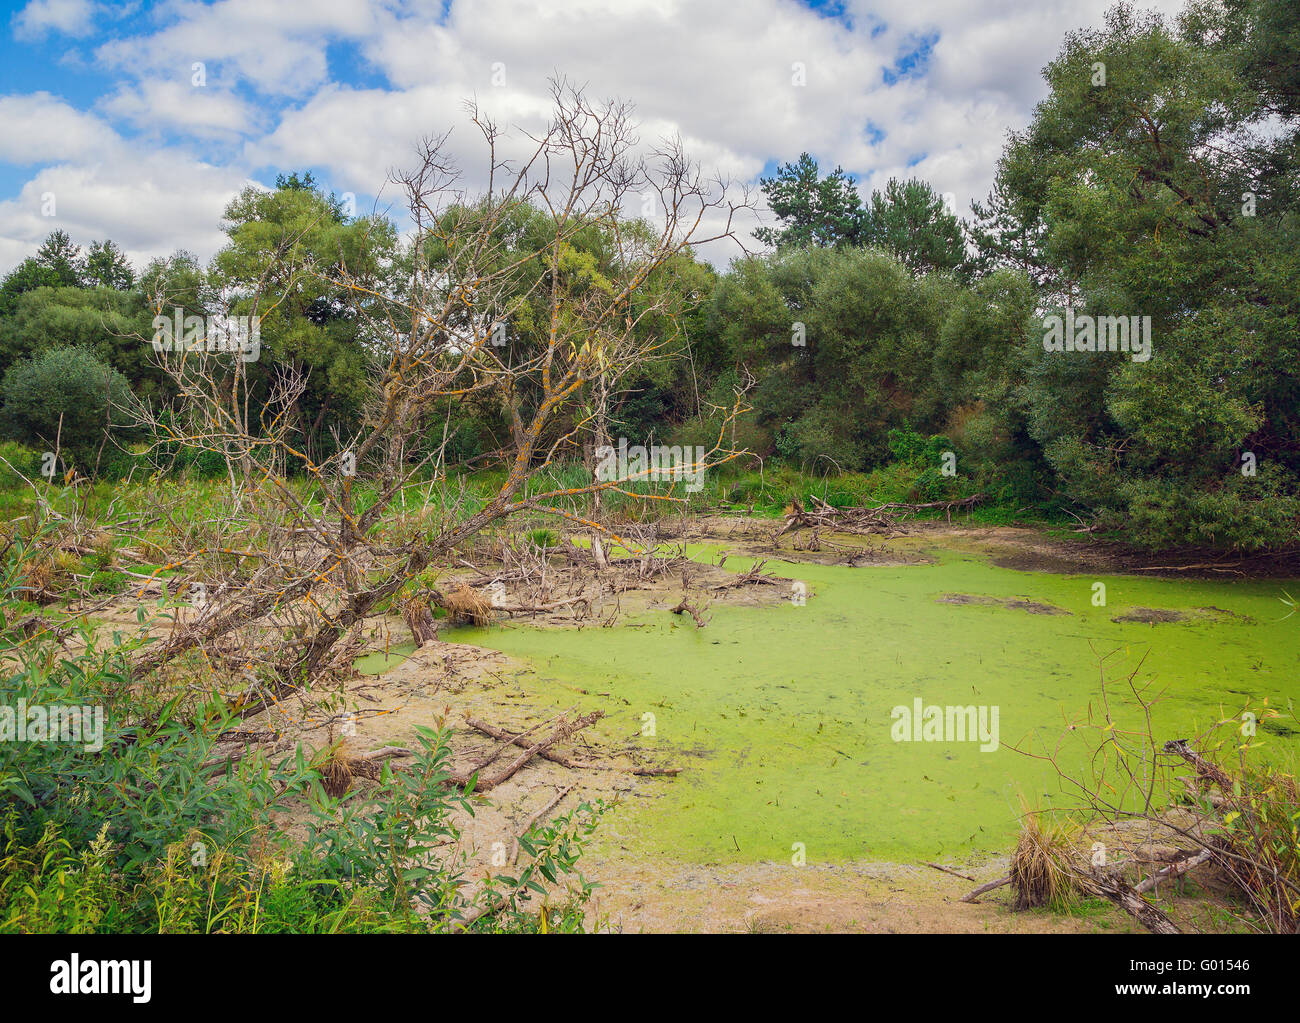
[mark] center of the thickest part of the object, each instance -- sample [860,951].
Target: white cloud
[156,105]
[40,128]
[149,203]
[716,73]
[276,48]
[43,17]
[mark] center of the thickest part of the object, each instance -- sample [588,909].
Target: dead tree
[319,557]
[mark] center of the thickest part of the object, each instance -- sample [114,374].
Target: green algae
[381,661]
[782,715]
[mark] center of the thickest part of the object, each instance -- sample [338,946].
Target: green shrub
[142,826]
[69,396]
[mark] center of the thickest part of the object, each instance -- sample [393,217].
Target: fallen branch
[1174,870]
[972,896]
[534,818]
[1128,899]
[946,870]
[562,731]
[686,608]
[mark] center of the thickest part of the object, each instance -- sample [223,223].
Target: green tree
[111,324]
[291,246]
[107,267]
[812,210]
[68,397]
[910,220]
[57,264]
[1140,178]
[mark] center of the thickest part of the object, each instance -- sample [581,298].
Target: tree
[879,349]
[67,400]
[285,247]
[57,264]
[909,220]
[100,320]
[63,258]
[812,210]
[1147,186]
[330,556]
[106,266]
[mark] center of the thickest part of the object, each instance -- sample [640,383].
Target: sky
[140,121]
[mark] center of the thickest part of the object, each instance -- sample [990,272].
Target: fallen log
[1128,899]
[520,740]
[972,896]
[563,761]
[1174,870]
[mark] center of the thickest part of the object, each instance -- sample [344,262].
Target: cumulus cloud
[41,128]
[168,105]
[44,17]
[275,48]
[885,88]
[150,203]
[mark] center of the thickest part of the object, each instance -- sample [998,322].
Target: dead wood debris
[883,519]
[683,607]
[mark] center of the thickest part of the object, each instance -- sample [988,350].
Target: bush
[67,395]
[143,826]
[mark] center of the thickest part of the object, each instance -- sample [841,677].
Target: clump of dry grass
[1040,866]
[337,770]
[47,574]
[467,605]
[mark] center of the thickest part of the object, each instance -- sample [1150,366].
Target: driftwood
[563,730]
[563,761]
[880,519]
[1174,870]
[972,896]
[684,608]
[754,575]
[519,740]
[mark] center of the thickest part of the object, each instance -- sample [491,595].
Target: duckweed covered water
[782,715]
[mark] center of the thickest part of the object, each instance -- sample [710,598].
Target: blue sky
[102,112]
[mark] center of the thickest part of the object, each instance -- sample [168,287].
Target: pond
[784,716]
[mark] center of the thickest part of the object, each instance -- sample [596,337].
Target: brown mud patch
[1168,616]
[1151,616]
[1029,606]
[859,896]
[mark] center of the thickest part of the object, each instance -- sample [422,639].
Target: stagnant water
[783,715]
